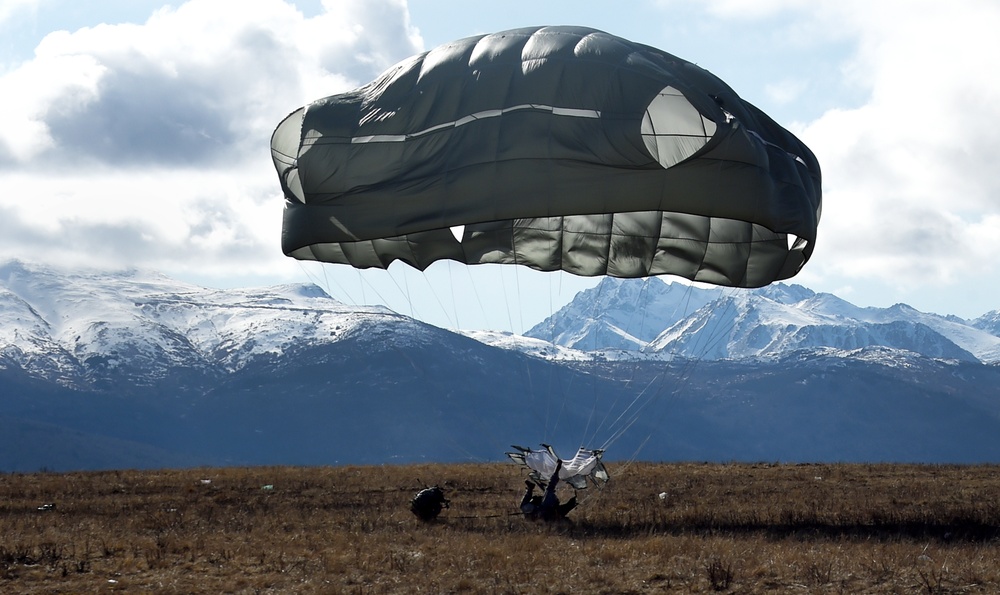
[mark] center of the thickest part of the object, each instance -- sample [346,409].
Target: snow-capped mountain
[80,328]
[621,314]
[989,322]
[106,370]
[724,323]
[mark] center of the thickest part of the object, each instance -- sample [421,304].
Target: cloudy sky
[134,133]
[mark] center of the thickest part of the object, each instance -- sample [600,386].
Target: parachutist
[545,507]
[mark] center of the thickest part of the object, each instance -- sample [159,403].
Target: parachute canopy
[586,464]
[558,148]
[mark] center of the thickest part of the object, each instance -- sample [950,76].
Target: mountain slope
[725,323]
[92,328]
[620,314]
[105,370]
[753,325]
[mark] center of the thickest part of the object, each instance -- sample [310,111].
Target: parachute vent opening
[458,231]
[673,129]
[792,239]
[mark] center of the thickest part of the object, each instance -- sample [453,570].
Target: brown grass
[717,528]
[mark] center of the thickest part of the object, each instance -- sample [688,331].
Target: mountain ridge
[740,324]
[111,370]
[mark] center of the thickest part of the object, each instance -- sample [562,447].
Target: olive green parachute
[558,148]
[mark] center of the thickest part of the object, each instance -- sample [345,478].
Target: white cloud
[158,217]
[58,84]
[147,144]
[785,91]
[191,86]
[8,8]
[754,9]
[909,188]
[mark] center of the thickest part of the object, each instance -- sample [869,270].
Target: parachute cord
[409,299]
[326,278]
[635,367]
[374,289]
[551,305]
[454,302]
[623,467]
[478,425]
[503,287]
[482,516]
[520,309]
[550,390]
[486,430]
[560,293]
[479,299]
[632,418]
[510,322]
[361,283]
[593,384]
[405,292]
[437,298]
[687,369]
[326,283]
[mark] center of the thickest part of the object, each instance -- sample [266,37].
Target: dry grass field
[656,528]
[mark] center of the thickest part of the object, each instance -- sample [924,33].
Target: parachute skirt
[585,465]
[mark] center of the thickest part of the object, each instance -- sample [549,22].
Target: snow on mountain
[621,314]
[727,323]
[546,350]
[81,326]
[783,293]
[528,345]
[989,323]
[984,345]
[981,344]
[750,325]
[25,338]
[233,326]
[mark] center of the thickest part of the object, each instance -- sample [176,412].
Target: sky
[135,134]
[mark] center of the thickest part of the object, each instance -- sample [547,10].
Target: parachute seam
[570,112]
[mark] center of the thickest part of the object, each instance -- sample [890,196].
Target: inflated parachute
[555,148]
[585,464]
